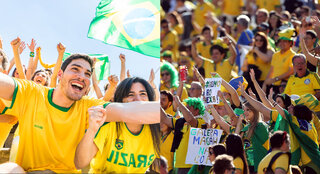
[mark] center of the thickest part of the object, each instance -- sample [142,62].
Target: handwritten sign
[212,86]
[199,142]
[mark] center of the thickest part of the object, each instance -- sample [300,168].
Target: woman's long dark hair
[234,147]
[123,90]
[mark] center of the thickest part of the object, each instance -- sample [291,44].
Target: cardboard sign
[212,86]
[199,142]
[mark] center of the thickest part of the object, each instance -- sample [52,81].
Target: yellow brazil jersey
[165,149]
[238,164]
[181,152]
[4,127]
[232,7]
[267,4]
[281,162]
[281,63]
[174,89]
[179,29]
[129,153]
[49,134]
[204,49]
[201,11]
[223,68]
[304,85]
[264,67]
[171,39]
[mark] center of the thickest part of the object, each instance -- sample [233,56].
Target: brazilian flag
[102,66]
[130,24]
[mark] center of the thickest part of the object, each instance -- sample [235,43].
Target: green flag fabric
[102,66]
[133,25]
[259,142]
[308,145]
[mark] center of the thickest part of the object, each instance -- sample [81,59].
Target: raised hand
[241,86]
[122,58]
[270,97]
[315,20]
[94,62]
[22,47]
[252,75]
[61,48]
[253,95]
[128,74]
[97,116]
[113,80]
[15,44]
[32,45]
[151,77]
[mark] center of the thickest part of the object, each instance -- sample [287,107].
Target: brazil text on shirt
[128,160]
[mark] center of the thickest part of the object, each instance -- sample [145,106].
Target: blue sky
[67,21]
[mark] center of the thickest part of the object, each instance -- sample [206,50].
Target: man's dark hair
[168,94]
[219,48]
[164,21]
[74,57]
[222,163]
[302,112]
[278,138]
[205,28]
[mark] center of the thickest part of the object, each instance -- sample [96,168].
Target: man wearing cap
[167,56]
[303,81]
[246,34]
[281,66]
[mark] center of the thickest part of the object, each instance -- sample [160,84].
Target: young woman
[259,58]
[122,147]
[41,77]
[255,136]
[234,147]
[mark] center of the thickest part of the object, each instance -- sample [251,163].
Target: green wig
[197,103]
[166,66]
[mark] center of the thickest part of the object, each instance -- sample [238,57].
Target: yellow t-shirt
[263,66]
[179,29]
[238,164]
[181,152]
[4,127]
[165,149]
[281,162]
[232,7]
[172,39]
[223,68]
[281,63]
[49,134]
[304,85]
[201,11]
[204,49]
[267,4]
[130,153]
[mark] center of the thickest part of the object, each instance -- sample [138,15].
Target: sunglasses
[164,74]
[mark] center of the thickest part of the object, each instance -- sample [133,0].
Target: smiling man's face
[75,80]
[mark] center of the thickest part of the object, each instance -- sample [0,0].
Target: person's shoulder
[92,101]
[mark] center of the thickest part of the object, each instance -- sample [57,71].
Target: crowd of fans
[270,121]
